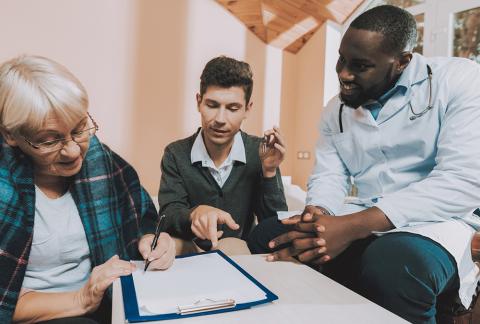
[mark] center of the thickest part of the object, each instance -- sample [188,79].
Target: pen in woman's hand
[158,230]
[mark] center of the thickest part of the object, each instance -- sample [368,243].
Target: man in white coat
[407,129]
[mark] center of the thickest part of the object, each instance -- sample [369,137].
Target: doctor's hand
[162,256]
[205,220]
[336,232]
[272,152]
[303,244]
[89,297]
[333,234]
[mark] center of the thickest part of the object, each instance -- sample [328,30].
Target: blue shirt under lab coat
[424,174]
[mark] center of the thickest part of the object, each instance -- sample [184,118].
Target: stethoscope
[415,115]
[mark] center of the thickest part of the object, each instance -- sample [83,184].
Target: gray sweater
[246,192]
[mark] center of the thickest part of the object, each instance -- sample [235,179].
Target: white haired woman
[71,210]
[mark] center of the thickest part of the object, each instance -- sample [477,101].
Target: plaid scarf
[115,211]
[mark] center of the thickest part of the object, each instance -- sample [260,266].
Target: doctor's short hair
[33,87]
[226,72]
[397,25]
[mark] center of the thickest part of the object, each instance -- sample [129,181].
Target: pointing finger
[212,231]
[226,218]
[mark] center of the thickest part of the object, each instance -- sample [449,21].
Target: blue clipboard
[130,304]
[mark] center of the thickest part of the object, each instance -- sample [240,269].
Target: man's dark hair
[227,72]
[398,27]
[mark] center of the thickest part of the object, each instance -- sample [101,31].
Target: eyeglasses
[57,144]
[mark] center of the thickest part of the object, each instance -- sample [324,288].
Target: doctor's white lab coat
[424,174]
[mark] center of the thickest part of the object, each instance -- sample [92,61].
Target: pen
[158,230]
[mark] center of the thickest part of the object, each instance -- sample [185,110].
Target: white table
[305,296]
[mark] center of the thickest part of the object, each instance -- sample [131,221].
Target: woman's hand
[162,256]
[102,276]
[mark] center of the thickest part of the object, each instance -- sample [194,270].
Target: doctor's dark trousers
[408,274]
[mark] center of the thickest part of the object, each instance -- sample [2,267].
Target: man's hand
[272,152]
[162,256]
[306,245]
[340,231]
[308,211]
[336,231]
[299,242]
[204,223]
[333,233]
[102,276]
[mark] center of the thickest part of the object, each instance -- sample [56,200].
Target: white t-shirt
[60,257]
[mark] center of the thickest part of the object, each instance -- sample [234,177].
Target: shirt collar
[371,103]
[398,87]
[411,75]
[415,72]
[199,152]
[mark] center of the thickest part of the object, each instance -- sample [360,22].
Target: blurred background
[140,61]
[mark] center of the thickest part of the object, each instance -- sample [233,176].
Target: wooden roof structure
[289,24]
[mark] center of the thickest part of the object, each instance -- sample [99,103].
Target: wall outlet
[303,155]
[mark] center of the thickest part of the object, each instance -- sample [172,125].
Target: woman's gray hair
[34,87]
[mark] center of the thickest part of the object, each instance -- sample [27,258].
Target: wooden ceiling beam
[312,8]
[249,13]
[289,24]
[340,9]
[299,43]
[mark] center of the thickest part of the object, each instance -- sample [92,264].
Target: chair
[456,313]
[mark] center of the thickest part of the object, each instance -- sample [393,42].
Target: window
[419,17]
[466,34]
[445,28]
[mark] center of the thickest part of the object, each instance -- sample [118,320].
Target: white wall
[333,37]
[93,39]
[140,61]
[309,102]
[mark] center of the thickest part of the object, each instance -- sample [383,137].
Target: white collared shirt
[199,153]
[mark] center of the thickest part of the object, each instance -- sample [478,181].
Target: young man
[215,181]
[406,128]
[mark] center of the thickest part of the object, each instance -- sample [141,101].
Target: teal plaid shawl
[114,208]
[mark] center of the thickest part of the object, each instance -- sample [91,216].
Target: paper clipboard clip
[204,305]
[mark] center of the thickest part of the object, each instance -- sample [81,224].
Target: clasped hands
[315,238]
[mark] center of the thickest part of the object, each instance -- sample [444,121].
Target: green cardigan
[246,192]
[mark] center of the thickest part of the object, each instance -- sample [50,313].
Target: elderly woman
[71,210]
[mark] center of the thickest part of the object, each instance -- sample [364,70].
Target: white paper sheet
[189,280]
